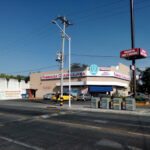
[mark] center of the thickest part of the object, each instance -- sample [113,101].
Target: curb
[121,112]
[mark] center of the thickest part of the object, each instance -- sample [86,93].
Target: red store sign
[66,75]
[135,53]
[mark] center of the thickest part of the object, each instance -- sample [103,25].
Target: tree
[27,78]
[78,66]
[18,77]
[146,80]
[143,83]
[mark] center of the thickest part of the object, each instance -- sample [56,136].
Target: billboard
[136,53]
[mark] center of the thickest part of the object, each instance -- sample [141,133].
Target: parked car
[142,95]
[65,97]
[84,97]
[48,96]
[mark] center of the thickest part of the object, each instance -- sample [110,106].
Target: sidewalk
[75,107]
[138,111]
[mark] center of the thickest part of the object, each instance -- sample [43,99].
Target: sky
[100,30]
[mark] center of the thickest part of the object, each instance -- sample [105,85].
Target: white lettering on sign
[130,52]
[143,52]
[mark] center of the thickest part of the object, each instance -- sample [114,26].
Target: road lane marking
[129,124]
[20,143]
[114,144]
[101,121]
[106,129]
[134,148]
[25,119]
[109,143]
[115,122]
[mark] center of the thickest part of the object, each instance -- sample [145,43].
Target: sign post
[134,53]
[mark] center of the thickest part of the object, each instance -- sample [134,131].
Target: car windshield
[65,94]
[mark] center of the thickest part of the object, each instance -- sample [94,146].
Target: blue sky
[29,41]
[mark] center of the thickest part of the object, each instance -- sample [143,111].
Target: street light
[69,39]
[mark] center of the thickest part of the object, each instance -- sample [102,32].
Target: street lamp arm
[55,22]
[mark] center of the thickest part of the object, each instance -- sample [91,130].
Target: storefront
[94,80]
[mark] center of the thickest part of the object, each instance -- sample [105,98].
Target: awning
[101,88]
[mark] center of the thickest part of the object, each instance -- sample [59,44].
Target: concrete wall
[12,89]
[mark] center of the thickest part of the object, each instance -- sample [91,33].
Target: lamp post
[69,39]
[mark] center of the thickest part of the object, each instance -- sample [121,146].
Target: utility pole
[63,46]
[133,46]
[64,35]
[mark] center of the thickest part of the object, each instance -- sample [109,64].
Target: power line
[88,55]
[94,8]
[118,13]
[111,15]
[31,70]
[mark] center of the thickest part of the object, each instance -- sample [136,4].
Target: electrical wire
[96,17]
[118,13]
[31,70]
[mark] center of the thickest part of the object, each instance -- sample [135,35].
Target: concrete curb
[120,112]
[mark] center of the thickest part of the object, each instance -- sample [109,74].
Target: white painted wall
[12,89]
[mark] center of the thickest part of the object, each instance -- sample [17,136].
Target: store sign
[121,76]
[104,73]
[143,52]
[135,53]
[93,69]
[66,75]
[128,53]
[87,74]
[104,69]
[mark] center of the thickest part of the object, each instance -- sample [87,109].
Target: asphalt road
[30,128]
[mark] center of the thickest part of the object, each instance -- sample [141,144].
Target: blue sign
[93,69]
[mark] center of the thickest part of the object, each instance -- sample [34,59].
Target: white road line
[55,114]
[129,124]
[101,121]
[134,148]
[45,116]
[20,143]
[109,143]
[62,113]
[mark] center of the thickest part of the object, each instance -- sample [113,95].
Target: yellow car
[65,97]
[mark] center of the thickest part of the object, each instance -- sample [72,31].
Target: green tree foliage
[143,84]
[18,77]
[78,66]
[145,78]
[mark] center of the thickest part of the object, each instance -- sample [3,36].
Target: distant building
[94,80]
